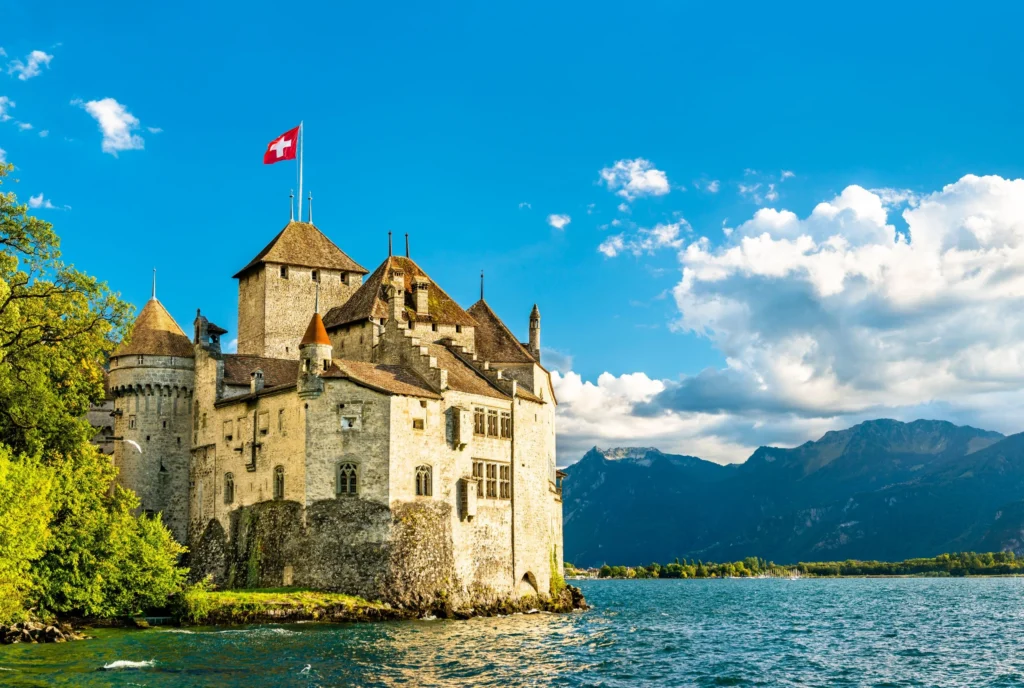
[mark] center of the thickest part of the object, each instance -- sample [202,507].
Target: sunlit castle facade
[370,436]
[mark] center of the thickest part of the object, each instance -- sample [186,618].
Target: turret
[535,333]
[151,381]
[315,354]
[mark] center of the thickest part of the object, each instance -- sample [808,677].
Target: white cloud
[3,156]
[231,347]
[154,130]
[24,126]
[623,207]
[40,202]
[116,123]
[32,66]
[44,133]
[786,174]
[713,186]
[559,221]
[832,318]
[632,179]
[3,53]
[664,235]
[556,360]
[5,108]
[525,205]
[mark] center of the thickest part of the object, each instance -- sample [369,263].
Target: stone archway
[527,585]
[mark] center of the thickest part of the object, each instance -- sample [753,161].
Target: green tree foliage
[57,328]
[25,512]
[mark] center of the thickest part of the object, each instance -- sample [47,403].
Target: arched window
[279,482]
[424,488]
[229,488]
[347,478]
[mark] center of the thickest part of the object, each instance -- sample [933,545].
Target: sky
[743,225]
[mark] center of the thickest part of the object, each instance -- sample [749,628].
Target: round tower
[315,354]
[151,381]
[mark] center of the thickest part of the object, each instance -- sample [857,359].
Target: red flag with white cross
[284,147]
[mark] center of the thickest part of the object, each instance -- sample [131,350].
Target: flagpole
[300,170]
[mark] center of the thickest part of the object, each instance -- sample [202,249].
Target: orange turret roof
[315,333]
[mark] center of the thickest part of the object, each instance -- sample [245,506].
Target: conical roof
[492,339]
[301,243]
[156,334]
[369,300]
[315,332]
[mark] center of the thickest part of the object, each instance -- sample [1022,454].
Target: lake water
[883,632]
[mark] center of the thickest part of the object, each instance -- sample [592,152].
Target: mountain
[882,489]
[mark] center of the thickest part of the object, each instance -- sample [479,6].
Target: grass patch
[200,605]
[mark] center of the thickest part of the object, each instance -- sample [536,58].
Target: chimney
[535,333]
[396,296]
[421,289]
[256,381]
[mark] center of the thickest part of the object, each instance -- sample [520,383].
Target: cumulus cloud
[713,186]
[116,124]
[40,202]
[5,108]
[31,67]
[559,221]
[632,179]
[645,240]
[24,126]
[834,317]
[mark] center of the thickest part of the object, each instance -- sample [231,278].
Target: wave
[128,664]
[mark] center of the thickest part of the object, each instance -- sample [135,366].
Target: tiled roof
[389,379]
[300,243]
[276,371]
[369,300]
[462,377]
[315,333]
[492,338]
[155,333]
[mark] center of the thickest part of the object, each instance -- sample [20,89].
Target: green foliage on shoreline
[954,564]
[70,542]
[200,605]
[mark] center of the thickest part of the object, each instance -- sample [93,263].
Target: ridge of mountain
[879,489]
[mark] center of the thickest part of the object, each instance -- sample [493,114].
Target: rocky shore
[37,632]
[249,607]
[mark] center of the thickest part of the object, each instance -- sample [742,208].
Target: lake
[846,632]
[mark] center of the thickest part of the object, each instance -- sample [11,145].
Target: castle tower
[315,354]
[277,288]
[535,333]
[151,381]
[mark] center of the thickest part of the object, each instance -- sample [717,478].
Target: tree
[57,328]
[25,513]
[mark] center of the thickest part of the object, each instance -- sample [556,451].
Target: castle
[396,447]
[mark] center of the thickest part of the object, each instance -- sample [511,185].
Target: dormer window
[284,272]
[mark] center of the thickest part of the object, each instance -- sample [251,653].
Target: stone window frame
[314,275]
[506,425]
[424,480]
[419,424]
[131,422]
[478,473]
[504,481]
[492,481]
[279,482]
[229,488]
[492,423]
[479,422]
[284,272]
[347,473]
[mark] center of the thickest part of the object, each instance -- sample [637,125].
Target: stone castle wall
[273,311]
[151,401]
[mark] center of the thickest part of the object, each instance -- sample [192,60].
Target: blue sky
[469,124]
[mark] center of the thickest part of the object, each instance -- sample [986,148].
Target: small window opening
[458,328]
[279,482]
[284,272]
[417,423]
[315,275]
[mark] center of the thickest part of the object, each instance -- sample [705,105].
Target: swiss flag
[282,148]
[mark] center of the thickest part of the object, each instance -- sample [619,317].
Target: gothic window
[229,488]
[478,421]
[279,482]
[424,486]
[506,425]
[347,479]
[478,473]
[492,480]
[505,484]
[492,423]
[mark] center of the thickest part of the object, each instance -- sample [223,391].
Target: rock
[138,622]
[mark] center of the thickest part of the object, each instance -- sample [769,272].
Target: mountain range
[882,490]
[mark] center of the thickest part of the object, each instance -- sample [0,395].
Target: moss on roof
[301,243]
[157,334]
[369,300]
